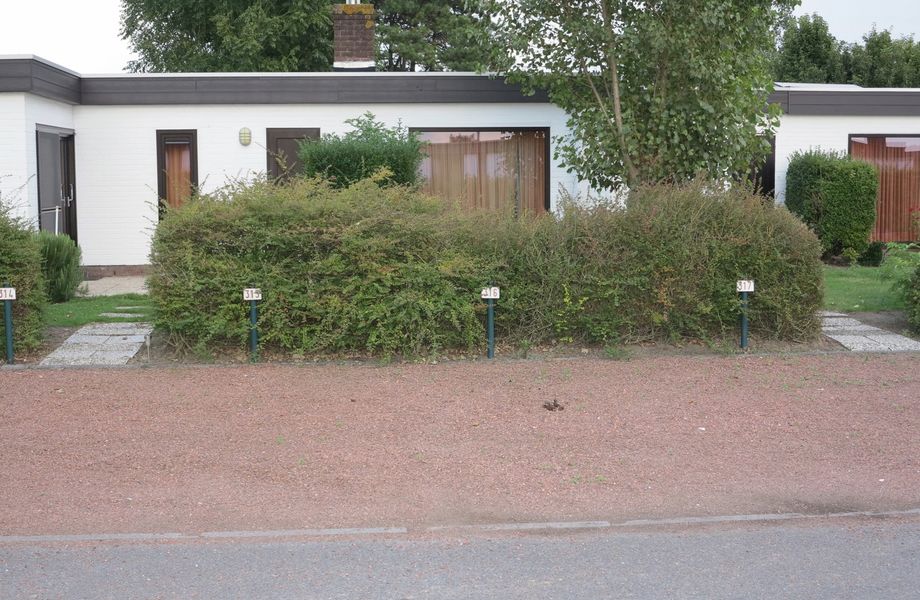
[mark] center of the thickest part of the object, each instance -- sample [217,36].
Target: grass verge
[82,311]
[858,289]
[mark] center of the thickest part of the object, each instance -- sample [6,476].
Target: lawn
[858,289]
[81,311]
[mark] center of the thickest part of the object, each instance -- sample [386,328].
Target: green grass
[858,289]
[82,311]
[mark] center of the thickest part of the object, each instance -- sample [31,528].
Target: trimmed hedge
[61,266]
[386,270]
[370,148]
[21,266]
[836,196]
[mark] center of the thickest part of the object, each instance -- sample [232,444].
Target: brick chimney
[353,34]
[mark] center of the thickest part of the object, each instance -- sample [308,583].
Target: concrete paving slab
[859,343]
[857,329]
[895,342]
[100,344]
[838,322]
[121,315]
[826,313]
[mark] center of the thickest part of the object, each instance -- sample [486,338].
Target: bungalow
[880,126]
[94,156]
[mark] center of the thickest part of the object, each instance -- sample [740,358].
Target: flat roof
[32,74]
[27,73]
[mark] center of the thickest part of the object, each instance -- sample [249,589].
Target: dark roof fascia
[302,89]
[868,103]
[40,78]
[33,75]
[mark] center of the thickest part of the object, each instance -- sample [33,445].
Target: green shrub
[21,266]
[873,255]
[61,266]
[385,270]
[900,263]
[836,196]
[912,298]
[358,154]
[803,183]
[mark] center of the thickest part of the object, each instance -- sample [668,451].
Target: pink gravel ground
[282,447]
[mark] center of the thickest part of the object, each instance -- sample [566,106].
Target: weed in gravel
[617,353]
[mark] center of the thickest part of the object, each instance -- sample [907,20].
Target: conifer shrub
[61,266]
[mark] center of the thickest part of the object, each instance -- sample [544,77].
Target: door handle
[70,197]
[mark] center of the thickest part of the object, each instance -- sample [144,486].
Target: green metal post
[253,331]
[744,320]
[8,327]
[491,328]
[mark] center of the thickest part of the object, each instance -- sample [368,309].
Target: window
[897,158]
[283,150]
[494,169]
[177,166]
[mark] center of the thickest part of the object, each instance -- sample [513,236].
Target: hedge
[21,266]
[836,196]
[369,148]
[385,270]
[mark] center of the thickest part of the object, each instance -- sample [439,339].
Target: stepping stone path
[859,337]
[100,344]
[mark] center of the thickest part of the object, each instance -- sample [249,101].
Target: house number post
[490,295]
[744,288]
[7,295]
[253,295]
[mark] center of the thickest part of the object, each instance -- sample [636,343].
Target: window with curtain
[177,165]
[898,161]
[487,169]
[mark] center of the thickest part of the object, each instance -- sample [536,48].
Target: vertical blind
[178,173]
[898,161]
[493,170]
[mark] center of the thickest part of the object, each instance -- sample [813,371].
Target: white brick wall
[14,176]
[116,155]
[797,132]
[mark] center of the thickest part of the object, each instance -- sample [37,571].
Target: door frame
[180,136]
[68,170]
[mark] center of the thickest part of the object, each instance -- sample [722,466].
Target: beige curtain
[178,174]
[898,162]
[490,170]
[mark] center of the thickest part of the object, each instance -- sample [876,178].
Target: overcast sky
[82,35]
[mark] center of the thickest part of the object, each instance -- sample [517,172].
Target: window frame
[547,166]
[173,136]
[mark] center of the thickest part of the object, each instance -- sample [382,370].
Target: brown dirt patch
[278,447]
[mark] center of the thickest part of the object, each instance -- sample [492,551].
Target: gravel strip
[287,448]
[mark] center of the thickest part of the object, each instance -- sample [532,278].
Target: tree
[296,35]
[434,35]
[810,53]
[885,62]
[657,90]
[228,35]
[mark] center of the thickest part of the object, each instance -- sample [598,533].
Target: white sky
[848,20]
[82,35]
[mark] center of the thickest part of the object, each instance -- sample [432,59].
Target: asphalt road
[839,559]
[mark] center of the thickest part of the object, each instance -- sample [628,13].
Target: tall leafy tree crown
[810,53]
[656,90]
[296,35]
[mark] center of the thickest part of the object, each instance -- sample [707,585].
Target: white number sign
[252,294]
[490,293]
[7,293]
[745,285]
